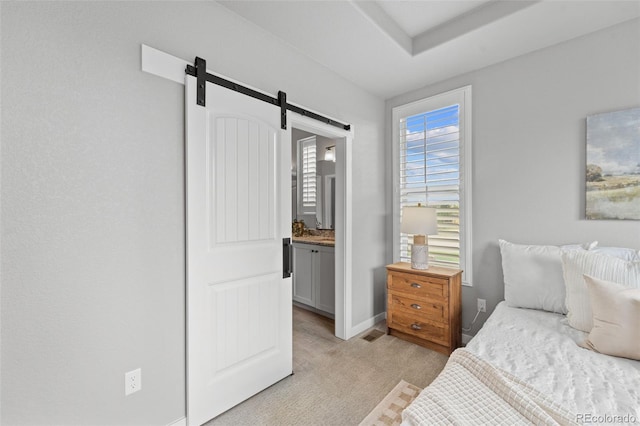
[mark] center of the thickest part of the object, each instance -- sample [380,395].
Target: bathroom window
[307,188]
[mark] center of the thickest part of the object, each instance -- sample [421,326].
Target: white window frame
[307,209]
[462,97]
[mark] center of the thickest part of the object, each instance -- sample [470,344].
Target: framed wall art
[613,165]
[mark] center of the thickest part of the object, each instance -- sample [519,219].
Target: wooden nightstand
[423,306]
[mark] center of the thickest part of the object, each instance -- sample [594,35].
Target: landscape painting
[613,165]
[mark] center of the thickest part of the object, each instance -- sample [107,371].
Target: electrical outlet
[132,381]
[482,305]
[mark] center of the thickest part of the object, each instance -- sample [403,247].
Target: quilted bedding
[472,391]
[533,351]
[541,349]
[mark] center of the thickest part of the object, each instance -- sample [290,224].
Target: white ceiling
[389,47]
[414,17]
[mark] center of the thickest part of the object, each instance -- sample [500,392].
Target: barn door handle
[287,253]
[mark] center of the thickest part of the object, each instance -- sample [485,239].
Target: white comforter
[541,349]
[470,391]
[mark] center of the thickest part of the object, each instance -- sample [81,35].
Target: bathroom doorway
[327,222]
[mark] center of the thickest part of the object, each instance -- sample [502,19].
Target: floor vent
[373,335]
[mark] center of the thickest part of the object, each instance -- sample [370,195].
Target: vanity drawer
[419,286]
[423,329]
[432,309]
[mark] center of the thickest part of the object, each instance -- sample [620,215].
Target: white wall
[92,219]
[529,148]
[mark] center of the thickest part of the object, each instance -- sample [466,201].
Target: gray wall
[529,148]
[92,180]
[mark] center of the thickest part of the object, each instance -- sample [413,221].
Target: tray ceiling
[392,47]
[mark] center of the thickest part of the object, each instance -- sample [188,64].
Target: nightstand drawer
[433,332]
[431,309]
[423,306]
[420,286]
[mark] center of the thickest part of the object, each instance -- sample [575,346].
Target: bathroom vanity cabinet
[314,276]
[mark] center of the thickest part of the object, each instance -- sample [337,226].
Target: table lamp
[419,221]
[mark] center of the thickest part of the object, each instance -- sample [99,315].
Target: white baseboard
[466,338]
[179,422]
[355,330]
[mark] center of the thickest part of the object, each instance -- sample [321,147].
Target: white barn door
[239,331]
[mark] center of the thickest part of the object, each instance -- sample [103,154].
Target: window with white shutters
[307,173]
[430,144]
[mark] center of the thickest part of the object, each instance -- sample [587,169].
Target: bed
[529,366]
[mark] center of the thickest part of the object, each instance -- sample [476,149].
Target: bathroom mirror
[313,181]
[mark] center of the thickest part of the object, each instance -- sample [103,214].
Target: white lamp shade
[329,154]
[419,221]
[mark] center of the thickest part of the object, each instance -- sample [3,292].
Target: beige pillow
[616,319]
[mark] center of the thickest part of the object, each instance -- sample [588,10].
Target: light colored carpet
[389,411]
[335,382]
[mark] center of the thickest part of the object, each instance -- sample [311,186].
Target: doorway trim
[167,66]
[344,209]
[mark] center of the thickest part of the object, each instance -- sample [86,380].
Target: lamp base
[419,256]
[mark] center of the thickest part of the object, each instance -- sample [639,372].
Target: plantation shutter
[307,149]
[430,175]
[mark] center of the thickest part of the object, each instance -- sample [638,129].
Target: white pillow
[577,263]
[619,252]
[616,319]
[533,276]
[585,246]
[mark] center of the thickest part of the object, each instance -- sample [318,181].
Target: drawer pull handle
[416,285]
[416,327]
[416,306]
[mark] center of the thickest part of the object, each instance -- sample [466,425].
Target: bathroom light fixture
[330,153]
[419,221]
